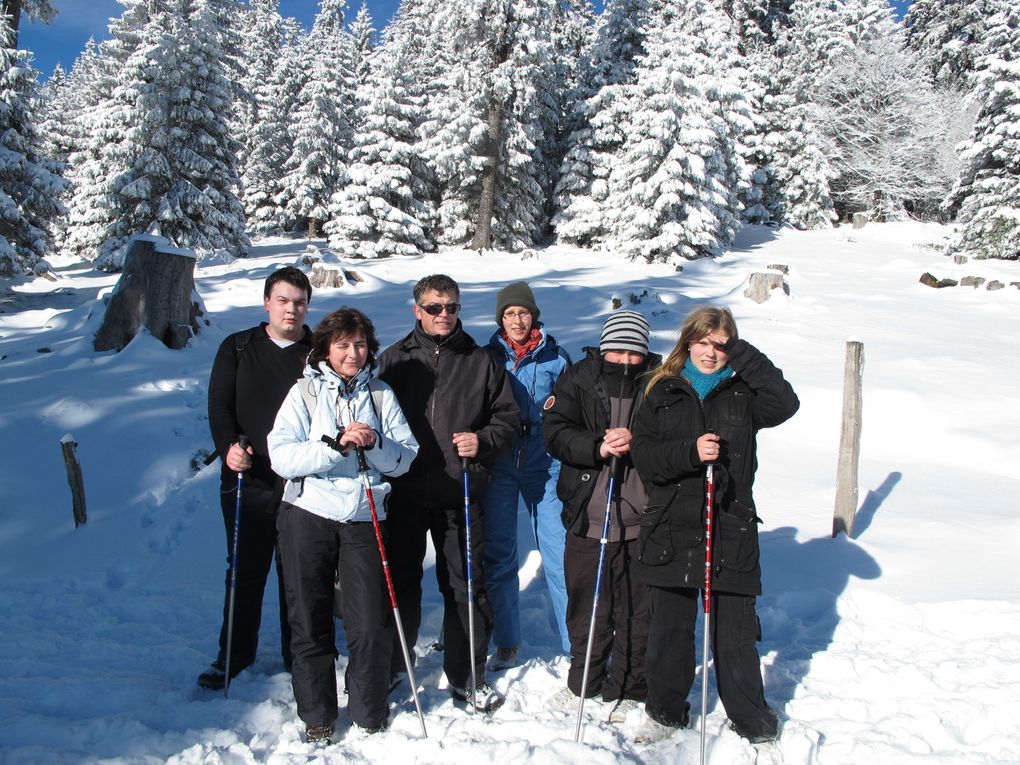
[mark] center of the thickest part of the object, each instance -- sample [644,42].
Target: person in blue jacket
[534,362]
[325,521]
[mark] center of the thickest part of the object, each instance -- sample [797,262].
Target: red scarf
[522,349]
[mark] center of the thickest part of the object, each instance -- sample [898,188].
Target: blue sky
[62,40]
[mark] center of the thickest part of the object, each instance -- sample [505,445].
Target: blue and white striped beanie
[625,331]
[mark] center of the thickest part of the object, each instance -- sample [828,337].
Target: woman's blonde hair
[700,323]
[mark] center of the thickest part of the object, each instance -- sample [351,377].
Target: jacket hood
[333,381]
[458,340]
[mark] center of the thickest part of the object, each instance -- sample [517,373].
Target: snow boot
[504,658]
[487,698]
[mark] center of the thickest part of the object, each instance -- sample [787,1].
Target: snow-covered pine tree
[182,183]
[987,193]
[365,40]
[600,107]
[490,115]
[797,171]
[321,121]
[751,23]
[30,182]
[104,149]
[451,134]
[572,36]
[272,141]
[383,210]
[675,183]
[947,36]
[881,119]
[261,32]
[530,85]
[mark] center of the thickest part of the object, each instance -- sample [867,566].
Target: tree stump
[155,291]
[323,277]
[761,284]
[860,220]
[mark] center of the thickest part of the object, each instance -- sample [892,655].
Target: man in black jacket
[251,375]
[459,405]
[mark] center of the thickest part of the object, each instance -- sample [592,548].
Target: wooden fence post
[67,446]
[849,441]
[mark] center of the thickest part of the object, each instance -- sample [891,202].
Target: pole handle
[362,462]
[244,442]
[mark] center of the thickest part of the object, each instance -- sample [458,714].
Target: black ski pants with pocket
[671,660]
[256,550]
[315,550]
[621,624]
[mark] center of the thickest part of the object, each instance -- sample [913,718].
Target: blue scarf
[702,383]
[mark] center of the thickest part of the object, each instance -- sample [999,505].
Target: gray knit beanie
[518,293]
[625,331]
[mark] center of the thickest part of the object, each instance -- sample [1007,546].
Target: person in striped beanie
[587,428]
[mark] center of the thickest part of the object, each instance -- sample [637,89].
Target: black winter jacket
[671,548]
[445,386]
[575,424]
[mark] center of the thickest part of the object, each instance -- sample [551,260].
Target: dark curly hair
[343,322]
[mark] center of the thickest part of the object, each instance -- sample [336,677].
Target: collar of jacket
[335,382]
[680,384]
[457,341]
[497,343]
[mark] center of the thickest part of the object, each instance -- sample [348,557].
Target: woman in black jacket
[705,404]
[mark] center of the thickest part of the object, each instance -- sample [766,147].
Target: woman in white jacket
[325,524]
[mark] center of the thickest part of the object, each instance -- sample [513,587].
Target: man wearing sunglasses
[459,405]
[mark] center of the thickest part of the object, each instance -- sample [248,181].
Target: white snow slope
[901,646]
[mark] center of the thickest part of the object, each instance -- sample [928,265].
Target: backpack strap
[376,389]
[307,395]
[241,340]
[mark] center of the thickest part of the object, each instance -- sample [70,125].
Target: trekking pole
[709,500]
[242,441]
[614,464]
[603,541]
[464,462]
[363,469]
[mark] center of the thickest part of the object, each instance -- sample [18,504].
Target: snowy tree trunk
[849,442]
[154,291]
[482,239]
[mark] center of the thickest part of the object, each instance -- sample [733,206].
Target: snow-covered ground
[900,646]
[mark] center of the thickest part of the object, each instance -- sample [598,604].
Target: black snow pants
[314,551]
[671,660]
[621,625]
[256,549]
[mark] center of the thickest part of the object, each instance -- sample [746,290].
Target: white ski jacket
[320,479]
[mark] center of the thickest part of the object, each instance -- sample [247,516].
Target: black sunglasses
[434,309]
